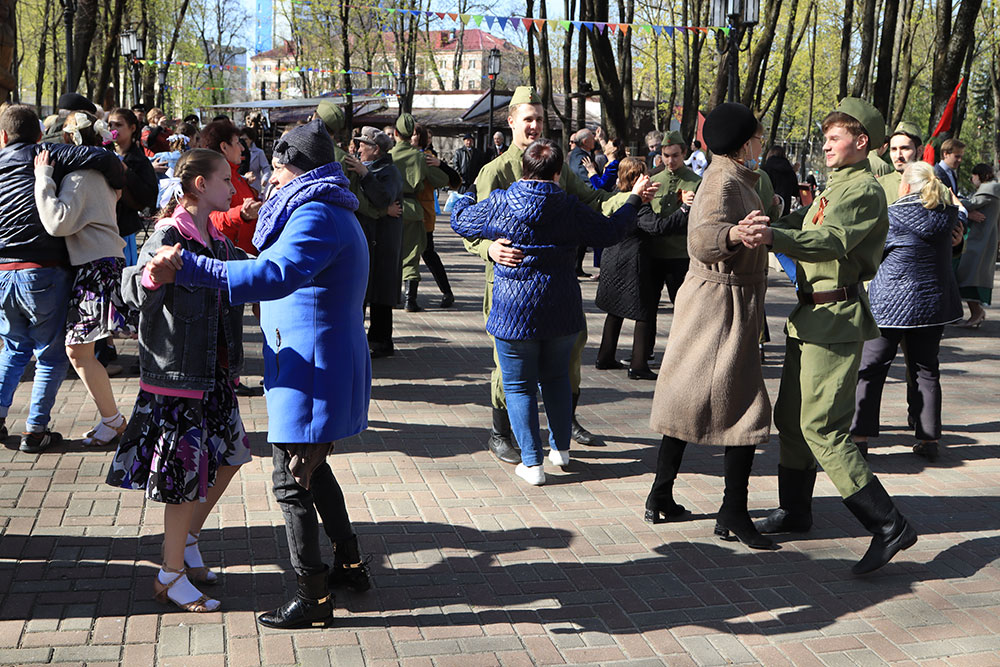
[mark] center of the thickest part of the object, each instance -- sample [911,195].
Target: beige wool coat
[710,388]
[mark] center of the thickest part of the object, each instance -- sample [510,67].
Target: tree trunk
[845,49]
[867,46]
[463,7]
[904,74]
[569,9]
[692,58]
[174,35]
[961,106]
[786,64]
[758,57]
[42,56]
[84,26]
[545,87]
[532,75]
[882,93]
[110,55]
[612,86]
[995,87]
[345,12]
[951,47]
[581,71]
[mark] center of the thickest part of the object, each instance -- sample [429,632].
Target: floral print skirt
[96,308]
[174,446]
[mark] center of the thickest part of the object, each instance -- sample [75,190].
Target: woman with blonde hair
[913,295]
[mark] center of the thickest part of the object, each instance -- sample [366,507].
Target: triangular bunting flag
[564,24]
[539,24]
[658,29]
[623,27]
[502,21]
[489,21]
[478,18]
[577,24]
[601,27]
[725,31]
[464,18]
[453,17]
[670,31]
[527,23]
[588,25]
[440,15]
[513,22]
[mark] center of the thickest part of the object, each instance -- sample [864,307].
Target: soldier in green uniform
[333,117]
[670,257]
[412,164]
[837,244]
[525,120]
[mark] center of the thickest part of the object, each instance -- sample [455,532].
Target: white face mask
[751,163]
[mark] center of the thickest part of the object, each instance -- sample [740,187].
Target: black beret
[727,127]
[76,102]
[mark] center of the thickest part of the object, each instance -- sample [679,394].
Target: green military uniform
[500,174]
[879,166]
[668,200]
[333,117]
[413,166]
[765,190]
[837,243]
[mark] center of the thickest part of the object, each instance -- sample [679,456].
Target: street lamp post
[162,80]
[69,9]
[133,50]
[741,16]
[492,70]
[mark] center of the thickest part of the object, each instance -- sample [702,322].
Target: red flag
[944,124]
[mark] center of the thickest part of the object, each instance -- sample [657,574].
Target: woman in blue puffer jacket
[537,308]
[913,295]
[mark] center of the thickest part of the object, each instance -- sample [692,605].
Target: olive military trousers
[814,411]
[414,244]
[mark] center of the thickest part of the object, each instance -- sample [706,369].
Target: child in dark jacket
[185,440]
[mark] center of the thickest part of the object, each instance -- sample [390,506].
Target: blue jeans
[526,365]
[131,251]
[33,305]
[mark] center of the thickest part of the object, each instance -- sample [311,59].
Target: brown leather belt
[829,296]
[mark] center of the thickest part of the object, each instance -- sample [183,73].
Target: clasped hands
[752,231]
[165,263]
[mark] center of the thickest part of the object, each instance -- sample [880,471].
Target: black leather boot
[349,571]
[733,521]
[580,434]
[660,505]
[410,299]
[501,441]
[312,606]
[891,532]
[794,513]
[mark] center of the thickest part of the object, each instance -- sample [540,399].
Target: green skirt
[979,294]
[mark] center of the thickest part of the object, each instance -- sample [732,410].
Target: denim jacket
[179,326]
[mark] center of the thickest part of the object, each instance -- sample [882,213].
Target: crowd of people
[333,228]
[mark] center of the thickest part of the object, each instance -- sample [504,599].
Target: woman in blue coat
[537,309]
[310,279]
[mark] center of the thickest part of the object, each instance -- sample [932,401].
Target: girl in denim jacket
[185,440]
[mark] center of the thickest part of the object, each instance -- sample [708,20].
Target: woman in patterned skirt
[185,440]
[82,209]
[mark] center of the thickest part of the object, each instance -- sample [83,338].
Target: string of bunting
[259,68]
[516,22]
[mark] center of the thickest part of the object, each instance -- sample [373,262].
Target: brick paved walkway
[472,567]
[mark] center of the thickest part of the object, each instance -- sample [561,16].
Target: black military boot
[312,606]
[349,571]
[501,441]
[733,520]
[660,505]
[891,533]
[580,434]
[410,298]
[794,513]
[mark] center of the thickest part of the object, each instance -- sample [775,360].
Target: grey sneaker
[36,443]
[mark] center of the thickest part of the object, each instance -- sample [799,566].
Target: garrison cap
[332,115]
[673,139]
[524,95]
[869,117]
[405,124]
[910,130]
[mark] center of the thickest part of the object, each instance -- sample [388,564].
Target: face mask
[751,163]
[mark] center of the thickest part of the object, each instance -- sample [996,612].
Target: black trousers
[380,324]
[669,272]
[433,262]
[300,505]
[923,387]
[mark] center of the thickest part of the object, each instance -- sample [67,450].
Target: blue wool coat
[915,285]
[540,298]
[310,279]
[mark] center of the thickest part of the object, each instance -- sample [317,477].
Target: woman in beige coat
[710,388]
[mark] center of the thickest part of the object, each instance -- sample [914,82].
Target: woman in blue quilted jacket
[537,309]
[913,295]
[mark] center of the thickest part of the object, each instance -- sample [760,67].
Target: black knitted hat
[307,146]
[727,127]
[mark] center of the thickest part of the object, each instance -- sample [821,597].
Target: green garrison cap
[405,124]
[524,95]
[331,114]
[673,139]
[909,129]
[868,116]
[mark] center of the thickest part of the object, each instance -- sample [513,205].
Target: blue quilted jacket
[540,298]
[915,284]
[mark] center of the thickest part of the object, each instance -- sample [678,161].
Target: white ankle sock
[183,591]
[192,554]
[107,428]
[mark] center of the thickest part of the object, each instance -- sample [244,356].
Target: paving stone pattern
[473,567]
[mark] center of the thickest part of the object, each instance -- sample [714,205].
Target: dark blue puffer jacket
[915,284]
[540,298]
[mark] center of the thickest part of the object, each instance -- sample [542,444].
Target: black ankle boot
[501,441]
[733,521]
[410,299]
[580,434]
[349,571]
[660,505]
[891,533]
[794,513]
[312,606]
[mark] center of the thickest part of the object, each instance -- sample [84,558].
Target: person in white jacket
[82,209]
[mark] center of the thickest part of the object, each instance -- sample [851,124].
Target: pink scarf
[182,221]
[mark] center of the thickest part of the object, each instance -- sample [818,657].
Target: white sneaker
[532,475]
[559,457]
